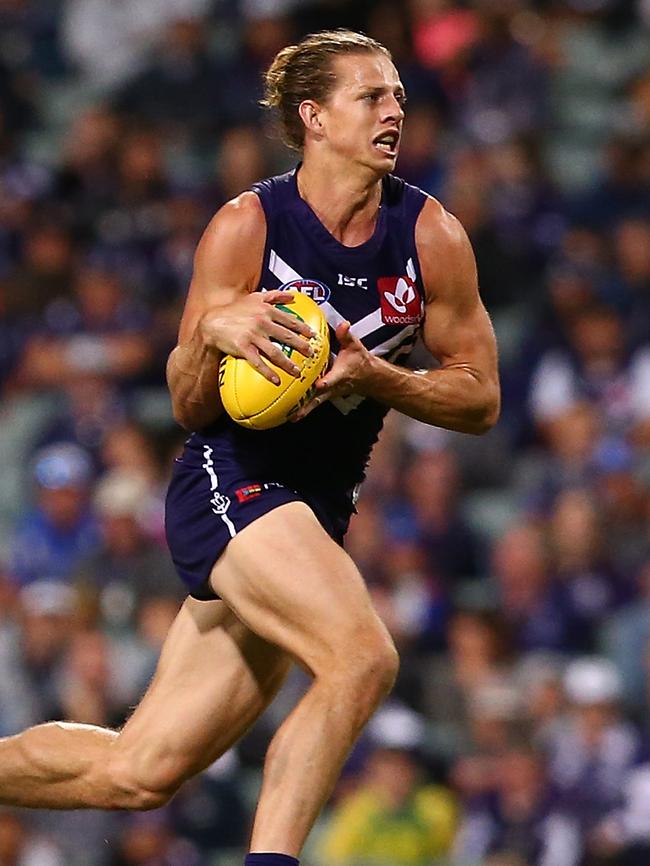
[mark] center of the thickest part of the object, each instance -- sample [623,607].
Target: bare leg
[305,594]
[213,680]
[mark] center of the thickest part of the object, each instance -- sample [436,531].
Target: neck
[346,203]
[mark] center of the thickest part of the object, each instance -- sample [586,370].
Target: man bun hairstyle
[306,71]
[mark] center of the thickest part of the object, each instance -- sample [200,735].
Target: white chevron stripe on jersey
[286,274]
[395,342]
[280,269]
[410,269]
[371,322]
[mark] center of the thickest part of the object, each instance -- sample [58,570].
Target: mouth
[387,143]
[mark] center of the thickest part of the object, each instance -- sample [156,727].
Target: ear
[310,114]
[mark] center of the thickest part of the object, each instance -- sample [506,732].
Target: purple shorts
[210,500]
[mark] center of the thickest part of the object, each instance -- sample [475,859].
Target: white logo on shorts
[220,503]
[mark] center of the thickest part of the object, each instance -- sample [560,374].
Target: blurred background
[513,570]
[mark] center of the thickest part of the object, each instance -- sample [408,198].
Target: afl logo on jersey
[313,288]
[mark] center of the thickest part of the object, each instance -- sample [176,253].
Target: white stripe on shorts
[220,503]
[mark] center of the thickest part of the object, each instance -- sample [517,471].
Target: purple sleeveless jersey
[237,474]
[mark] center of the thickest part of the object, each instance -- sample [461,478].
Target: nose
[394,110]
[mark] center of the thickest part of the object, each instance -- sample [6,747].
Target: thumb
[343,334]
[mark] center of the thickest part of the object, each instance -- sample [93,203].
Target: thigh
[214,678]
[295,587]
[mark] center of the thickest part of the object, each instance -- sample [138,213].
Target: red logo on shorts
[250,492]
[400,301]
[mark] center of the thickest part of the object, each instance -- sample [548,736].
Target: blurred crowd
[513,571]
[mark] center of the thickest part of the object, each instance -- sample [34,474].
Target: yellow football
[253,401]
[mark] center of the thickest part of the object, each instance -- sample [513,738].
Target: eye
[372,97]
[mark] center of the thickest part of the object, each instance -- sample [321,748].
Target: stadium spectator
[596,366]
[581,565]
[497,104]
[84,179]
[150,839]
[127,566]
[210,811]
[108,44]
[519,818]
[478,654]
[45,271]
[87,693]
[593,748]
[393,817]
[431,515]
[625,638]
[179,89]
[532,603]
[59,530]
[32,653]
[20,845]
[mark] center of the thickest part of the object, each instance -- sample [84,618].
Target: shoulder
[240,220]
[445,253]
[439,230]
[235,236]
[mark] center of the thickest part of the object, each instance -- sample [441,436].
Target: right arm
[225,315]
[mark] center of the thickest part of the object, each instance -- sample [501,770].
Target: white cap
[122,494]
[496,700]
[397,727]
[536,669]
[48,597]
[592,680]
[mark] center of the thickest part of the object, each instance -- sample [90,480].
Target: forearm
[454,397]
[193,380]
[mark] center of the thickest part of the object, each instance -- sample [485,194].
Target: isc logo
[359,282]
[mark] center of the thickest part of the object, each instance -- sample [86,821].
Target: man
[521,817]
[253,517]
[393,816]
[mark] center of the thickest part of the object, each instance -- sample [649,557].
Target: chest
[377,289]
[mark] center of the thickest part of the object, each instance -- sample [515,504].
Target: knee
[140,785]
[368,665]
[383,668]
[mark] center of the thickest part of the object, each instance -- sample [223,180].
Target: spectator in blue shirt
[59,530]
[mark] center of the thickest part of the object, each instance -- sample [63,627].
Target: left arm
[463,392]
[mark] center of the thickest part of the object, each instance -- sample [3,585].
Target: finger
[277,357]
[290,338]
[292,323]
[255,360]
[331,385]
[314,403]
[276,296]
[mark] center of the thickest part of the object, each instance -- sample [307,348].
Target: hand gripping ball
[253,401]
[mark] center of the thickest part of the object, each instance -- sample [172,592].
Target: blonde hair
[306,71]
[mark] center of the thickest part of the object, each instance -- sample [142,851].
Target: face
[394,773]
[362,118]
[520,772]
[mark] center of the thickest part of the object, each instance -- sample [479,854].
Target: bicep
[460,334]
[228,260]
